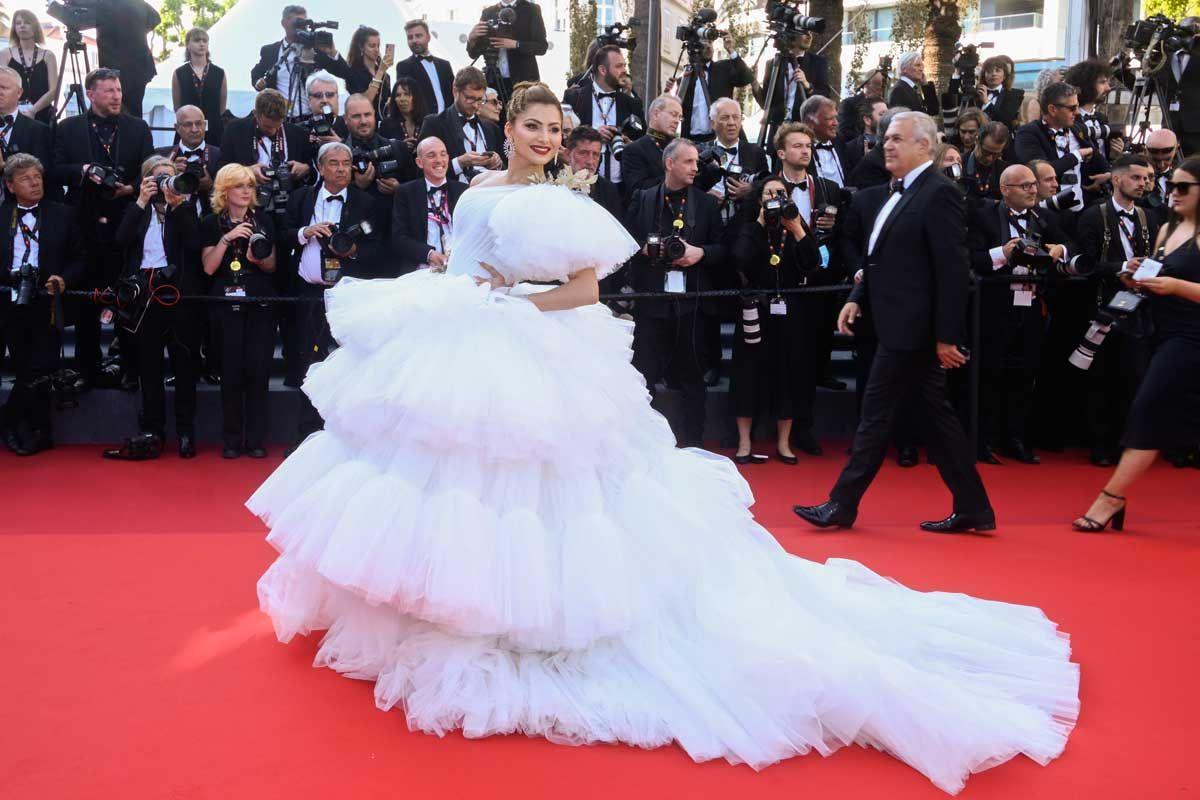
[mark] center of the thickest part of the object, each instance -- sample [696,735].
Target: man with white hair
[829,157]
[915,281]
[910,90]
[323,102]
[740,159]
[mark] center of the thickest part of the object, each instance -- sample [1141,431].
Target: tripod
[491,72]
[693,79]
[1145,92]
[70,58]
[779,62]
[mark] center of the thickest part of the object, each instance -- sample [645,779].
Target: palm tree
[942,31]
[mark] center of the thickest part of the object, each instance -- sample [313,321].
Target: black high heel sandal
[1089,525]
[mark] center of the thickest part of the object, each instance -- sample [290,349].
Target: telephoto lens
[259,245]
[1085,353]
[751,328]
[183,183]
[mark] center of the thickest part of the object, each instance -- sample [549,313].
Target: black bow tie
[606,94]
[425,58]
[472,121]
[896,186]
[993,92]
[733,151]
[1015,216]
[337,197]
[183,151]
[433,191]
[8,119]
[1055,132]
[1129,215]
[31,210]
[801,185]
[824,146]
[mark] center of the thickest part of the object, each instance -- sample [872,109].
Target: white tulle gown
[498,530]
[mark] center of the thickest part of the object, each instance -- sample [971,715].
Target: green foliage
[581,22]
[1175,9]
[908,24]
[178,16]
[860,33]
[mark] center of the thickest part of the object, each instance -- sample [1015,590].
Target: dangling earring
[556,160]
[508,149]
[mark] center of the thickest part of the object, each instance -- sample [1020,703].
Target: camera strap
[278,151]
[108,142]
[28,235]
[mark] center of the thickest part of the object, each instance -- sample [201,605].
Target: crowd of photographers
[313,186]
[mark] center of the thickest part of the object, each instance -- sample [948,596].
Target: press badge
[235,291]
[778,307]
[1174,106]
[1022,297]
[824,251]
[676,282]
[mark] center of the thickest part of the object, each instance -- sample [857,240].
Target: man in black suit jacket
[121,29]
[803,76]
[434,76]
[719,79]
[193,151]
[1055,138]
[19,133]
[471,141]
[741,161]
[850,110]
[914,286]
[1012,323]
[911,90]
[584,146]
[983,166]
[517,52]
[819,113]
[1180,79]
[641,161]
[364,136]
[666,332]
[262,138]
[423,212]
[1162,148]
[109,139]
[33,341]
[870,169]
[277,63]
[872,110]
[601,105]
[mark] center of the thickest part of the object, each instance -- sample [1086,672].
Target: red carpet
[136,664]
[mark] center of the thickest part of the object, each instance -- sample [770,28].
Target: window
[878,20]
[1007,15]
[606,12]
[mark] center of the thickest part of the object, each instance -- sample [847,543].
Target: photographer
[380,165]
[985,164]
[266,143]
[97,156]
[121,29]
[602,105]
[1093,78]
[1180,80]
[473,143]
[159,235]
[584,146]
[1116,235]
[19,133]
[871,111]
[680,228]
[281,65]
[423,210]
[870,169]
[795,84]
[967,126]
[995,94]
[642,161]
[515,43]
[329,228]
[707,81]
[738,160]
[193,154]
[852,109]
[1164,413]
[911,90]
[323,122]
[29,319]
[1162,148]
[433,76]
[1055,139]
[238,251]
[999,238]
[820,114]
[773,364]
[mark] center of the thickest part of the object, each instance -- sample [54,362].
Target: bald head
[1018,186]
[432,159]
[189,124]
[1162,146]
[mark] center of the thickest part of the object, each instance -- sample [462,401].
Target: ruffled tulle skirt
[498,530]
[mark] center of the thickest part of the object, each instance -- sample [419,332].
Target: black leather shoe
[1018,449]
[807,443]
[12,440]
[257,452]
[231,452]
[143,447]
[908,457]
[830,514]
[963,523]
[791,461]
[187,446]
[988,456]
[750,458]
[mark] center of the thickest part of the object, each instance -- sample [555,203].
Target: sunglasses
[1183,187]
[1160,151]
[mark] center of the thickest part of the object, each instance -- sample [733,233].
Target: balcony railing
[1010,22]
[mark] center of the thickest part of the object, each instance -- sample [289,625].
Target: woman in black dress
[36,65]
[769,374]
[368,69]
[404,114]
[1166,410]
[201,83]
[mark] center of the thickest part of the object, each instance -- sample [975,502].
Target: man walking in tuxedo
[602,106]
[434,76]
[472,142]
[914,286]
[516,52]
[423,211]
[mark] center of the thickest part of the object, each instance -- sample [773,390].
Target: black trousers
[895,374]
[673,346]
[247,337]
[316,342]
[133,91]
[33,354]
[1012,346]
[1112,383]
[178,330]
[905,428]
[103,267]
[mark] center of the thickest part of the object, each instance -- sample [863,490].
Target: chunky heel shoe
[1117,519]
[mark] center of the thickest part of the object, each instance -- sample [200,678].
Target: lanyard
[678,213]
[28,235]
[238,246]
[108,144]
[278,151]
[198,81]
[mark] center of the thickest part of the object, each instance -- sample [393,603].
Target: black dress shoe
[807,443]
[908,457]
[12,440]
[257,452]
[1016,448]
[833,384]
[143,447]
[962,523]
[988,456]
[750,458]
[187,446]
[830,514]
[791,461]
[231,452]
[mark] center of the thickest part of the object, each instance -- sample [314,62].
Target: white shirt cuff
[998,259]
[300,237]
[458,170]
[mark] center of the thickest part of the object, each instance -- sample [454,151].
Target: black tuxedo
[268,56]
[914,288]
[448,126]
[411,67]
[722,78]
[1186,121]
[642,165]
[410,210]
[753,161]
[918,98]
[1006,108]
[1033,140]
[581,98]
[121,28]
[239,144]
[32,137]
[816,70]
[212,159]
[823,150]
[870,171]
[530,33]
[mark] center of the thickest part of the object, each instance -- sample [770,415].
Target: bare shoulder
[488,178]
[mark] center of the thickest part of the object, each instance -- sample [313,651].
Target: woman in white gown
[498,530]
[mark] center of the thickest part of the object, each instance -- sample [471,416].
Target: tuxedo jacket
[121,28]
[411,67]
[1187,91]
[358,206]
[410,216]
[722,77]
[240,146]
[608,195]
[702,227]
[870,171]
[75,146]
[32,137]
[641,165]
[268,55]
[448,126]
[920,98]
[61,253]
[1007,107]
[1098,235]
[916,281]
[989,228]
[181,238]
[816,70]
[1033,140]
[580,100]
[530,32]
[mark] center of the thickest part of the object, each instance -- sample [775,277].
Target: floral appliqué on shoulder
[575,180]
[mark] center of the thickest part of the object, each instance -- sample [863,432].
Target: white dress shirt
[325,210]
[19,254]
[701,124]
[892,202]
[474,141]
[154,250]
[437,235]
[604,112]
[502,60]
[803,199]
[287,64]
[828,163]
[1127,228]
[431,70]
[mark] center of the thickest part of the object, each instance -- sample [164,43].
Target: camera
[966,61]
[130,299]
[273,195]
[777,209]
[382,157]
[184,183]
[76,15]
[785,19]
[711,172]
[24,282]
[632,128]
[195,164]
[312,34]
[700,30]
[500,25]
[1142,34]
[1030,254]
[612,35]
[665,249]
[1116,313]
[1063,201]
[109,177]
[320,125]
[751,326]
[259,245]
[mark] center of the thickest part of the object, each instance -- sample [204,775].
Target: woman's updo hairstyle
[531,93]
